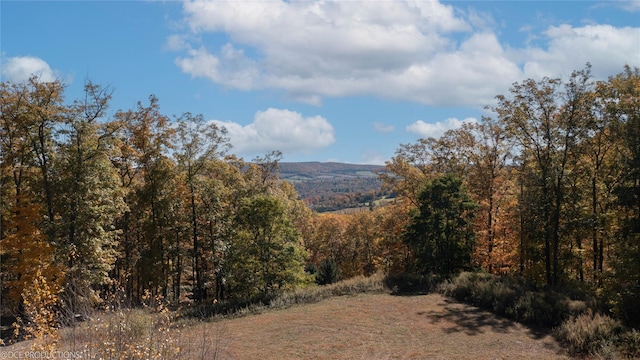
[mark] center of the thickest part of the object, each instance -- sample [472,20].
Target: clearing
[371,326]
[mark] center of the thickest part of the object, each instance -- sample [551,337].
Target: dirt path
[376,327]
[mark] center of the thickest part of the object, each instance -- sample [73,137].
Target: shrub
[589,334]
[630,344]
[516,300]
[412,283]
[328,272]
[306,295]
[38,322]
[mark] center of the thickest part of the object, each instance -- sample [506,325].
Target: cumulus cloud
[279,129]
[569,48]
[230,68]
[436,130]
[315,49]
[21,68]
[421,51]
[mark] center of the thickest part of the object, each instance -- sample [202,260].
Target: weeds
[353,286]
[208,341]
[124,334]
[120,332]
[596,335]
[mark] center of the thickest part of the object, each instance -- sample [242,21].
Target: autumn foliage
[141,204]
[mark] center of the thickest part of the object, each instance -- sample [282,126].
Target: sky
[346,81]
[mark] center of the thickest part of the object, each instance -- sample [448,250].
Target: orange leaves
[360,243]
[29,255]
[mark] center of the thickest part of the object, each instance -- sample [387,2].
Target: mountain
[305,171]
[334,186]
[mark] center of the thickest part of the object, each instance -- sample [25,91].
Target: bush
[412,283]
[328,272]
[513,299]
[590,334]
[306,295]
[630,344]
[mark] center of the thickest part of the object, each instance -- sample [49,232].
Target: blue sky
[344,81]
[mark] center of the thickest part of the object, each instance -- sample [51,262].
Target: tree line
[555,178]
[139,204]
[136,204]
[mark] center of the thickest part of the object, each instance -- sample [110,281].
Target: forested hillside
[98,209]
[335,186]
[555,177]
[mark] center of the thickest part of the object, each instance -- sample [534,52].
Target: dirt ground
[371,326]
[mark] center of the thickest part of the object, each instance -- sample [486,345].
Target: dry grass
[376,326]
[363,326]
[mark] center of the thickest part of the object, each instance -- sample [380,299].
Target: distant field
[377,203]
[334,186]
[373,326]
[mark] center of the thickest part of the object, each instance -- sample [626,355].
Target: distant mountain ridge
[316,169]
[332,186]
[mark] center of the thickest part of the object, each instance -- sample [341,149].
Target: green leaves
[267,253]
[441,234]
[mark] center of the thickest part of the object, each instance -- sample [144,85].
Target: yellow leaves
[29,255]
[40,299]
[35,281]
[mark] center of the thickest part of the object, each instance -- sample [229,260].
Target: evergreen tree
[328,272]
[441,234]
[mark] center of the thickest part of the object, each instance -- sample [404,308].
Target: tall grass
[311,294]
[123,334]
[306,295]
[598,335]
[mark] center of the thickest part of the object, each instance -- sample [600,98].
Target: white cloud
[606,47]
[421,51]
[436,130]
[21,68]
[230,68]
[279,129]
[329,48]
[381,127]
[176,43]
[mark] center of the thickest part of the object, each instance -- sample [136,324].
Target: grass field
[370,326]
[374,325]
